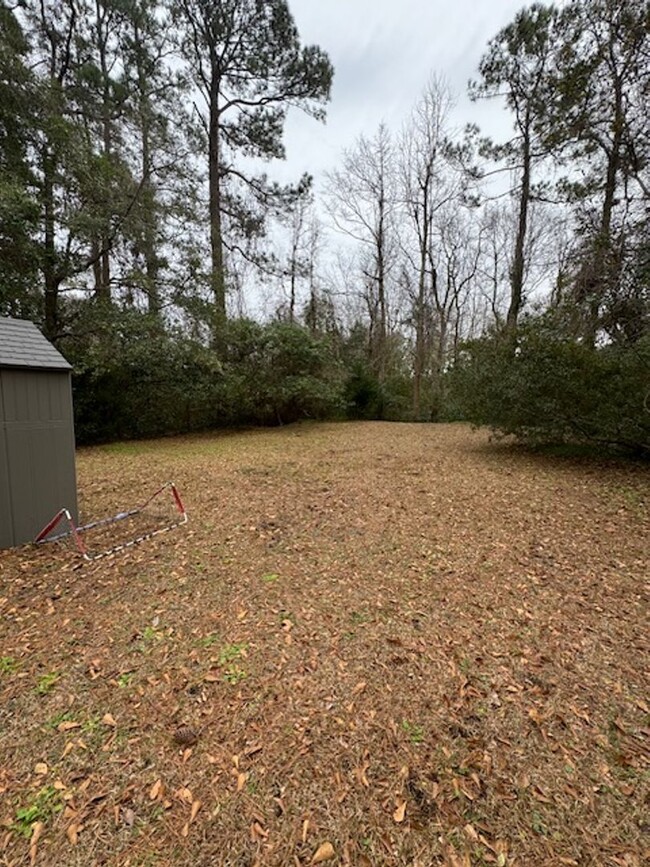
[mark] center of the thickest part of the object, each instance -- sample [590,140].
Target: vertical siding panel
[38,448]
[6,512]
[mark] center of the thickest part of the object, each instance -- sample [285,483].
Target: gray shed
[37,460]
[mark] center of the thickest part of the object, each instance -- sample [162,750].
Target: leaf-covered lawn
[373,644]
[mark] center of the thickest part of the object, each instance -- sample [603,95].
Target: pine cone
[185,736]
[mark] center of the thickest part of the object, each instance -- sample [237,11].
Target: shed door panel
[39,448]
[6,519]
[39,477]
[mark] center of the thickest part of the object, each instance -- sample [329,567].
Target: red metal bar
[77,538]
[48,529]
[177,497]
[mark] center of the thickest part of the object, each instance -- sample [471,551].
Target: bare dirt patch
[373,644]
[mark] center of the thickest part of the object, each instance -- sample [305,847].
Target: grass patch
[47,803]
[47,682]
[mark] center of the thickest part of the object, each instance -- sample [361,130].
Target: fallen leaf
[325,852]
[400,812]
[258,833]
[68,726]
[109,720]
[41,768]
[155,790]
[184,794]
[37,830]
[241,781]
[72,833]
[196,806]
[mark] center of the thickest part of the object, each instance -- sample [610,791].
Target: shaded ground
[397,645]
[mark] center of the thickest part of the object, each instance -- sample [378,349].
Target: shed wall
[37,464]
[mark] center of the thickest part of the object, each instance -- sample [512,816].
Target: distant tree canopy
[502,282]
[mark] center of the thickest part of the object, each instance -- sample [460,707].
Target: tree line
[503,282]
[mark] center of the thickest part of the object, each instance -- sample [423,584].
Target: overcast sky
[383,52]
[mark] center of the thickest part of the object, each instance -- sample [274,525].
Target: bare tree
[427,184]
[361,199]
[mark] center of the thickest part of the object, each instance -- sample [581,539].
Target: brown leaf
[258,834]
[400,812]
[41,768]
[109,720]
[156,790]
[68,726]
[196,806]
[72,833]
[184,794]
[325,852]
[241,781]
[37,830]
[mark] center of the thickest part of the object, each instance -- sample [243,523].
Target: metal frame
[75,532]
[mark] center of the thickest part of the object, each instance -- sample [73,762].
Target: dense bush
[134,379]
[547,388]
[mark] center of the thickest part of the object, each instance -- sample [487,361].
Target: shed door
[39,444]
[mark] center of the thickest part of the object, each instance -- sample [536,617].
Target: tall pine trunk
[519,258]
[218,277]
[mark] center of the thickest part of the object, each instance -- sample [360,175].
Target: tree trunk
[148,193]
[218,277]
[420,342]
[381,288]
[518,264]
[49,258]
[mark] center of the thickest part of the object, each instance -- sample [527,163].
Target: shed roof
[23,345]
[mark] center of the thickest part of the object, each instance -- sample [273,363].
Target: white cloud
[383,54]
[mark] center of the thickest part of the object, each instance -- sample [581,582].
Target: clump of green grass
[8,665]
[46,804]
[270,579]
[229,656]
[47,682]
[415,732]
[232,652]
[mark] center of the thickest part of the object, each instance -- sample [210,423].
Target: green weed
[8,665]
[232,652]
[58,718]
[47,682]
[235,674]
[47,803]
[415,732]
